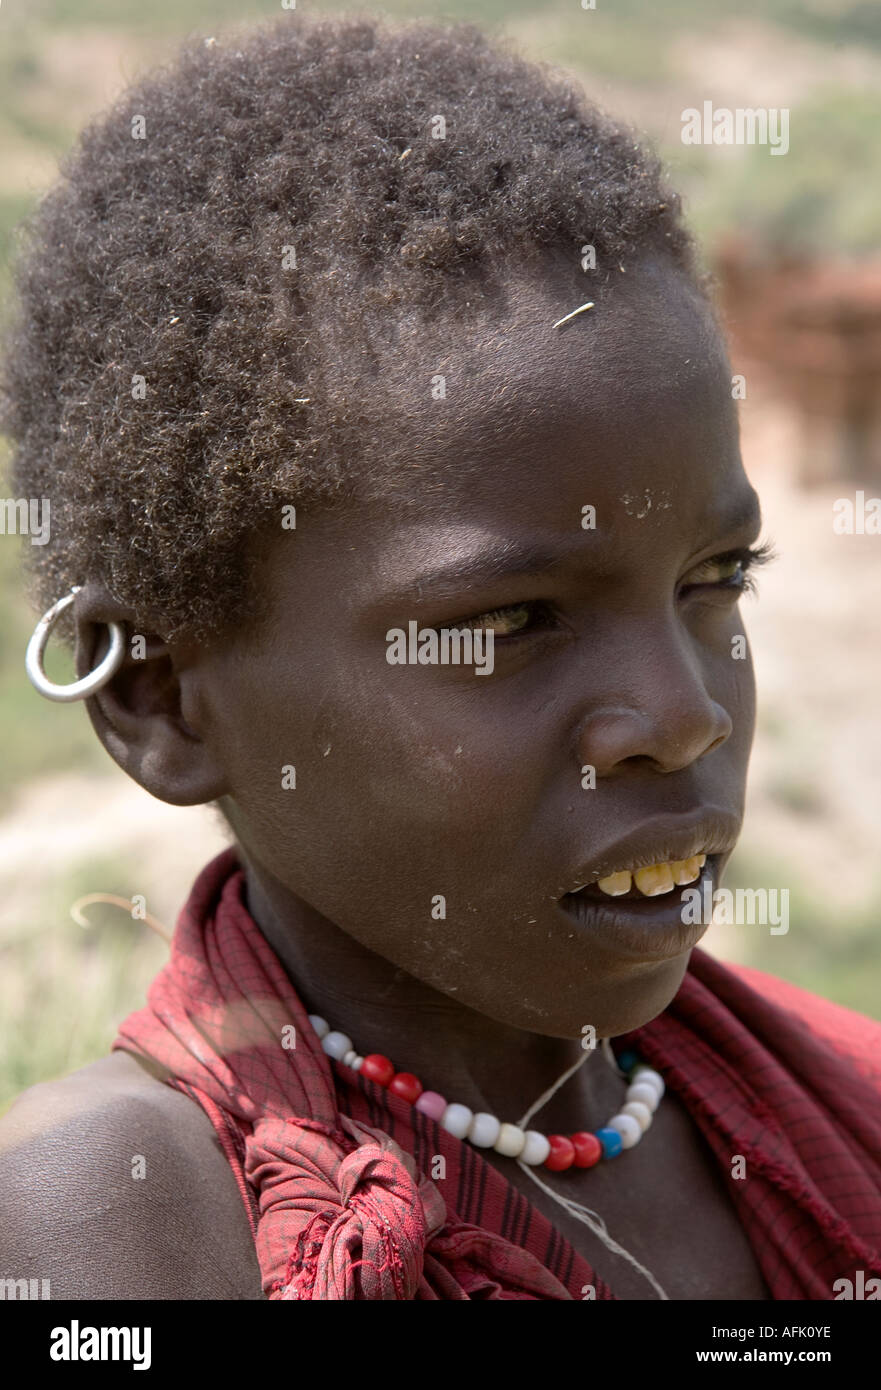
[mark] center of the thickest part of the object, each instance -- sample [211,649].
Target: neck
[466,1056]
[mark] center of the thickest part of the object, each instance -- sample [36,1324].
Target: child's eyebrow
[510,560]
[507,560]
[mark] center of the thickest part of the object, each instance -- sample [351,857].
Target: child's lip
[650,929]
[662,840]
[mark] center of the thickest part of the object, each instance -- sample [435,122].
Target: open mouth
[650,882]
[646,923]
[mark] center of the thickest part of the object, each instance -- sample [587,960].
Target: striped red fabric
[333,1170]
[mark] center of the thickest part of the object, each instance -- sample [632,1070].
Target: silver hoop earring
[77,690]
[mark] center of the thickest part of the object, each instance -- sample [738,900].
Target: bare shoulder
[112,1185]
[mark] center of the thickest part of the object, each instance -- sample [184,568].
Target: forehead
[497,433]
[647,337]
[636,388]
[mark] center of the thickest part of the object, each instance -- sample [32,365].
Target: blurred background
[795,244]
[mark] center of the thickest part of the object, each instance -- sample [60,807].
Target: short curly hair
[289,194]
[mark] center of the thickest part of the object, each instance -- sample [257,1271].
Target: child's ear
[137,714]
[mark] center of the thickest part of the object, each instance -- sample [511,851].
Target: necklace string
[585,1215]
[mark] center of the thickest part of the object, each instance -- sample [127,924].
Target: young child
[394,468]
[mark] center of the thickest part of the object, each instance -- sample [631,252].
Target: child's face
[416,781]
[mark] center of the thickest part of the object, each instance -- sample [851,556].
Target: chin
[612,1002]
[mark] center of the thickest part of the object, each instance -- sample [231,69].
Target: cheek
[721,642]
[744,713]
[734,658]
[730,681]
[391,785]
[389,831]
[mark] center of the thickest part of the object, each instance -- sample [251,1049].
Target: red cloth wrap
[340,1210]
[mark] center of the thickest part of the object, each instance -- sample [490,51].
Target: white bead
[510,1141]
[357,1063]
[646,1076]
[628,1128]
[336,1045]
[536,1148]
[456,1119]
[640,1113]
[647,1094]
[349,1057]
[484,1130]
[319,1025]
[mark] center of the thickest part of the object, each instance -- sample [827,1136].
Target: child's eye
[514,621]
[731,571]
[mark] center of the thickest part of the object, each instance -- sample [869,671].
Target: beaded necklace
[556,1152]
[528,1147]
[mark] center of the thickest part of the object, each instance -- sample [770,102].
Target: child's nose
[667,717]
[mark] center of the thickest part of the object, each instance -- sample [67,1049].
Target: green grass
[40,738]
[835,953]
[13,207]
[625,22]
[64,989]
[159,16]
[821,197]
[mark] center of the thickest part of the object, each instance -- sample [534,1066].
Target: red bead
[407,1085]
[377,1068]
[588,1149]
[562,1154]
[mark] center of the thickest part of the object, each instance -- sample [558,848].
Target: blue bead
[610,1140]
[627,1061]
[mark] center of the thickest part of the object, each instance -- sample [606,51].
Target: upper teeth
[657,878]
